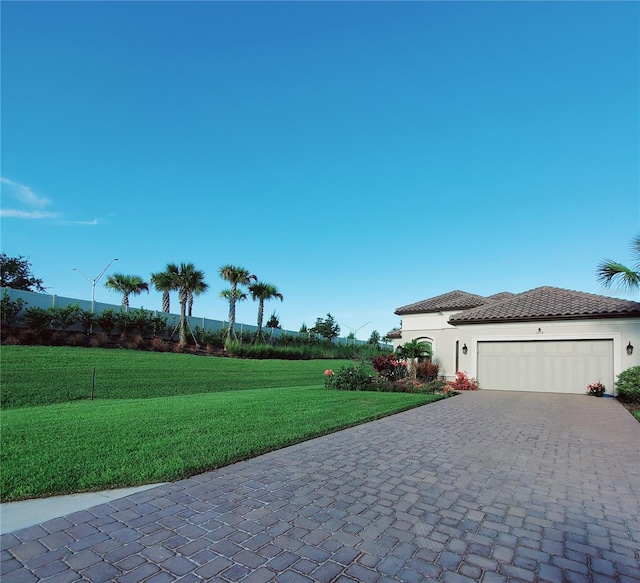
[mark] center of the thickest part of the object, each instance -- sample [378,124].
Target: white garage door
[552,366]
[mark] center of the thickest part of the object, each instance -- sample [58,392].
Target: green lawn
[106,443]
[42,375]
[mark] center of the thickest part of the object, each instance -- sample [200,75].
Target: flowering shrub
[329,378]
[596,389]
[348,378]
[388,367]
[463,383]
[428,371]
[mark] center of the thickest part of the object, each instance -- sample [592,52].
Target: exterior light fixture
[465,349]
[629,348]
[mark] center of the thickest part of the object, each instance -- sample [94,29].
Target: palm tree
[233,296]
[187,280]
[236,276]
[625,278]
[163,282]
[127,285]
[413,350]
[194,292]
[261,292]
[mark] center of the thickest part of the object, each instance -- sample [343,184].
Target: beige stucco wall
[443,337]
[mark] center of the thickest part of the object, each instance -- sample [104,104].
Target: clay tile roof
[505,295]
[454,300]
[548,303]
[395,333]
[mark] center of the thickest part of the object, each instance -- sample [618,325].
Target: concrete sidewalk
[18,515]
[488,486]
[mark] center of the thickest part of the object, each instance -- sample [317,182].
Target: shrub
[214,338]
[351,378]
[9,310]
[108,320]
[87,319]
[38,321]
[71,339]
[427,371]
[126,323]
[463,383]
[329,379]
[159,345]
[628,384]
[388,367]
[137,343]
[99,340]
[158,325]
[434,386]
[64,317]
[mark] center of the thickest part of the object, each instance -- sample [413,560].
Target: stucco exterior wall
[428,327]
[444,337]
[620,330]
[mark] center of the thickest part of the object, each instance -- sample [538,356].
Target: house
[547,339]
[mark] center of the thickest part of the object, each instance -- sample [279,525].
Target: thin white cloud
[22,193]
[19,214]
[30,206]
[92,222]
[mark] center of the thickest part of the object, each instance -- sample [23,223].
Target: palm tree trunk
[190,304]
[183,318]
[232,311]
[125,300]
[260,318]
[166,302]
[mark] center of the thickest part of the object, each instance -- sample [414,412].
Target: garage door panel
[559,366]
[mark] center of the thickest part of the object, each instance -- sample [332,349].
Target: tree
[374,339]
[163,282]
[187,280]
[262,292]
[327,328]
[273,321]
[15,272]
[236,276]
[413,350]
[126,285]
[611,272]
[9,310]
[196,291]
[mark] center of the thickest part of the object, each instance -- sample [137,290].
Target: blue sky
[358,155]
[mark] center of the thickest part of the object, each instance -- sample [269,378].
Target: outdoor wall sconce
[464,349]
[629,348]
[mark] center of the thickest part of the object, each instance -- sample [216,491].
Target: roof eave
[401,312]
[546,318]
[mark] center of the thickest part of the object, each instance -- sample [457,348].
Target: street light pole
[94,281]
[355,330]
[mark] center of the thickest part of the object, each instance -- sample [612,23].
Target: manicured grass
[41,375]
[93,445]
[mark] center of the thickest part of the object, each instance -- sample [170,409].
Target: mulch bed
[631,407]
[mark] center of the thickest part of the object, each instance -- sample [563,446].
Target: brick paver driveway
[487,486]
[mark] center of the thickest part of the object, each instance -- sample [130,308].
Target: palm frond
[613,274]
